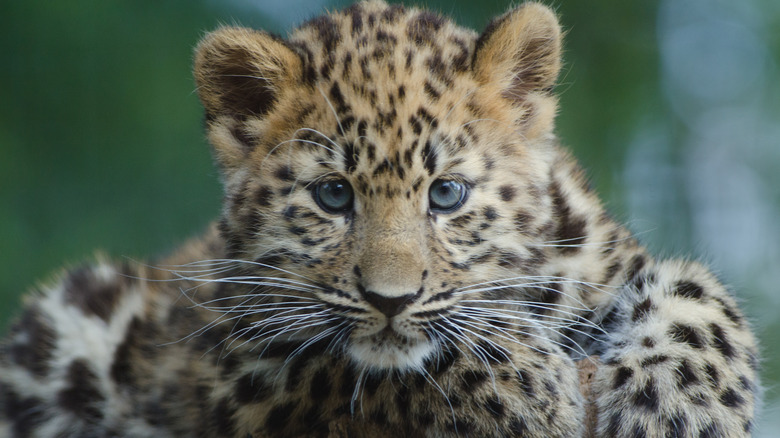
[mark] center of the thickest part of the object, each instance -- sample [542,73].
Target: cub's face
[386,176]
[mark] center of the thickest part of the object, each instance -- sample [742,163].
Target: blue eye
[446,196]
[334,196]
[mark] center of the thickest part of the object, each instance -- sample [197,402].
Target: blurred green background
[674,107]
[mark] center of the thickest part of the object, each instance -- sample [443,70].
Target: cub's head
[385,174]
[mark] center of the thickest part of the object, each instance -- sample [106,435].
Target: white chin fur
[385,355]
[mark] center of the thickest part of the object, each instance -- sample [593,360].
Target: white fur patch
[385,353]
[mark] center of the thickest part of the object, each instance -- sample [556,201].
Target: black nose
[390,306]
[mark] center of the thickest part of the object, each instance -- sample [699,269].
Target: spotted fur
[404,249]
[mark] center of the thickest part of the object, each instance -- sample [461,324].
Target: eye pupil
[334,196]
[446,195]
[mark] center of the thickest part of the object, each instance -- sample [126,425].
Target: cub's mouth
[388,349]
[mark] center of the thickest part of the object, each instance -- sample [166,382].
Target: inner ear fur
[520,52]
[240,72]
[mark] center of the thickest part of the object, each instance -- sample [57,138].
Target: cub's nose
[390,306]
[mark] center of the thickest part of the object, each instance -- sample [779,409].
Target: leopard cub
[404,248]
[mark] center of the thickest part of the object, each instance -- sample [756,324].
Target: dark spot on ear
[244,92]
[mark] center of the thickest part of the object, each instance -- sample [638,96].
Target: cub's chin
[387,350]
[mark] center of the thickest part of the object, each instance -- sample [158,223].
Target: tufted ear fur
[520,53]
[239,71]
[240,74]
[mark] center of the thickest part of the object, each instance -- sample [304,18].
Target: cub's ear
[239,71]
[241,74]
[520,53]
[520,50]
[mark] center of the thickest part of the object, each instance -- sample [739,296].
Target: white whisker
[333,110]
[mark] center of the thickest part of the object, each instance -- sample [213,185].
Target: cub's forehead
[374,33]
[393,84]
[393,75]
